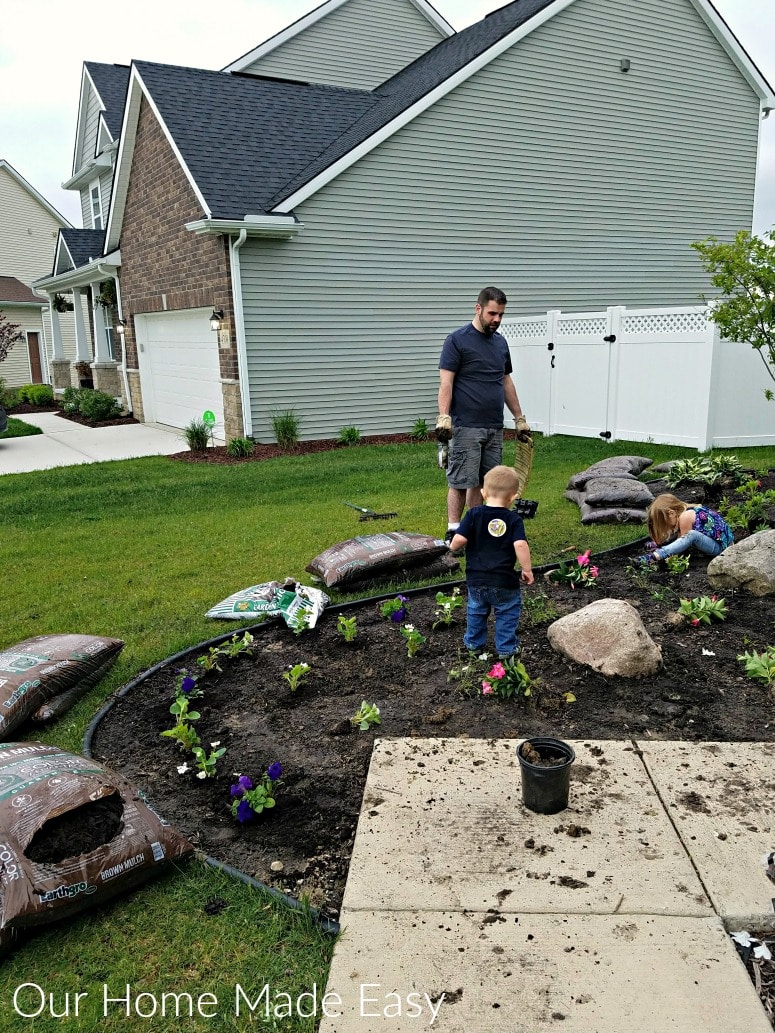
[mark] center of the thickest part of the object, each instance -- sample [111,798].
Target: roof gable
[107,85]
[309,20]
[38,198]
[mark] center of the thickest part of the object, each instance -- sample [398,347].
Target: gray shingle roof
[242,137]
[111,82]
[250,142]
[84,245]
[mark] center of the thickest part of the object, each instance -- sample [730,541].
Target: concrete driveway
[64,443]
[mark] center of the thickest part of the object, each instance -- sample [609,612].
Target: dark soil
[702,693]
[219,453]
[24,408]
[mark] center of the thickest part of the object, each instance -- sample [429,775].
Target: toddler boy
[494,538]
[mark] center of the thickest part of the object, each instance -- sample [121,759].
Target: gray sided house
[568,151]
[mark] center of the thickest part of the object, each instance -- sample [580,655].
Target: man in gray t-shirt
[475,384]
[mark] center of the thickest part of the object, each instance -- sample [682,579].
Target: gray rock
[749,564]
[608,636]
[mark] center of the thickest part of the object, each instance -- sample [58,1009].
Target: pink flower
[487,689]
[583,559]
[593,571]
[695,621]
[498,671]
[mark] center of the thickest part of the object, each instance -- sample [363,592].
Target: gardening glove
[443,427]
[524,433]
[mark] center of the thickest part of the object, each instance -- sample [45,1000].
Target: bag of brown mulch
[371,556]
[40,668]
[73,834]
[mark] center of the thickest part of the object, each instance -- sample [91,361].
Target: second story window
[96,205]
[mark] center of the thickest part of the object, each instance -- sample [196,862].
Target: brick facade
[164,267]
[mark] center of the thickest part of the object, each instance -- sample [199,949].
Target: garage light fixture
[121,327]
[216,318]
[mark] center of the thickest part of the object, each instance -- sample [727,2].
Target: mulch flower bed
[702,693]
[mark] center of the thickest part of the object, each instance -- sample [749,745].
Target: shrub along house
[338,210]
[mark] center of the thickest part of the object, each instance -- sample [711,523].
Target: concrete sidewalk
[465,912]
[64,443]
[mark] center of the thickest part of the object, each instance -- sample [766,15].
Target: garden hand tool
[369,514]
[443,436]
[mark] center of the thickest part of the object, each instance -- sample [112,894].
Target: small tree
[10,333]
[744,271]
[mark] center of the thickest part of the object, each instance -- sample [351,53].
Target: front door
[33,344]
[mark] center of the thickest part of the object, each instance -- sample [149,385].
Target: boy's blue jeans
[506,604]
[701,542]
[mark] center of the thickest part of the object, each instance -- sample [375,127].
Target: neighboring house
[29,226]
[559,149]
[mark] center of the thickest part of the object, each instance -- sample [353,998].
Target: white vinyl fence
[656,374]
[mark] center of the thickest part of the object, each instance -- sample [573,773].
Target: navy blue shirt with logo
[490,558]
[479,362]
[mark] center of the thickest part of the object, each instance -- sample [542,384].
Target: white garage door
[179,369]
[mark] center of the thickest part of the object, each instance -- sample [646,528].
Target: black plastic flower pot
[546,777]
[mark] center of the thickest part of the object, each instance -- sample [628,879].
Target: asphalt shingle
[111,82]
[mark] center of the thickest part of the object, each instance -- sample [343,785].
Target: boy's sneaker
[504,657]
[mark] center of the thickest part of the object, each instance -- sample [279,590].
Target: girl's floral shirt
[712,524]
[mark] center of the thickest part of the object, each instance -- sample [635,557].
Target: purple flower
[274,771]
[244,811]
[398,615]
[187,684]
[241,786]
[403,598]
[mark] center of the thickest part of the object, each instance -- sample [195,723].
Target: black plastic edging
[327,924]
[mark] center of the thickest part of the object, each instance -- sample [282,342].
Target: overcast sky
[41,61]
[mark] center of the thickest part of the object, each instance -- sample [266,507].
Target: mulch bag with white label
[296,604]
[371,556]
[38,669]
[73,834]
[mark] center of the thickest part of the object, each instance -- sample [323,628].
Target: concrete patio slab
[519,974]
[443,828]
[721,799]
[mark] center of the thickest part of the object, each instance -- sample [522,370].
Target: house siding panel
[550,173]
[357,45]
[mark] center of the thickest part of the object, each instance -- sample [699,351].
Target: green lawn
[19,429]
[139,550]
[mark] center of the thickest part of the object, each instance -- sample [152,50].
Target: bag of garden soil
[73,834]
[370,556]
[295,603]
[36,670]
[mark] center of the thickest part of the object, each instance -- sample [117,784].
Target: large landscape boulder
[608,636]
[748,564]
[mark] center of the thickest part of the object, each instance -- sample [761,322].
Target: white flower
[743,938]
[216,743]
[409,627]
[762,951]
[201,774]
[182,769]
[485,656]
[708,652]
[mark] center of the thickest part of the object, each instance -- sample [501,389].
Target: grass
[140,550]
[19,429]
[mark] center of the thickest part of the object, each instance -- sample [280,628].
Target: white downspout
[239,330]
[122,364]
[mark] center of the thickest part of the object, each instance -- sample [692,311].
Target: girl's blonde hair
[501,480]
[663,514]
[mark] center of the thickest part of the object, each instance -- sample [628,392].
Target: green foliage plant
[36,394]
[395,609]
[8,395]
[366,716]
[414,640]
[249,799]
[296,674]
[285,425]
[706,470]
[446,606]
[578,572]
[347,627]
[703,609]
[677,564]
[183,731]
[211,660]
[743,271]
[349,436]
[71,399]
[760,666]
[207,762]
[750,513]
[240,448]
[236,646]
[538,608]
[508,678]
[98,405]
[197,435]
[420,431]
